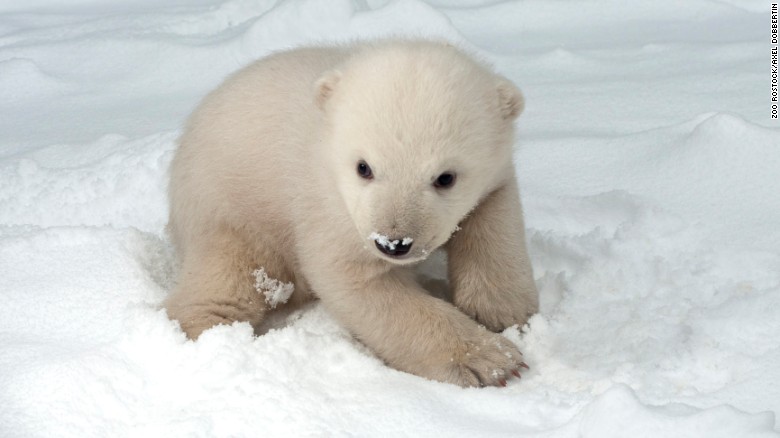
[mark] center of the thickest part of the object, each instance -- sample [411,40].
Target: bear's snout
[396,250]
[392,247]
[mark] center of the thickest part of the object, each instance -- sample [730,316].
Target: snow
[649,172]
[274,291]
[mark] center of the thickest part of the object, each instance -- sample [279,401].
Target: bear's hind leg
[216,285]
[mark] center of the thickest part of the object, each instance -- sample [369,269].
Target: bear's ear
[510,99]
[324,87]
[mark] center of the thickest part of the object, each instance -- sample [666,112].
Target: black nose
[393,247]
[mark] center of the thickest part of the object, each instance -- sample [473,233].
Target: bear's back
[244,145]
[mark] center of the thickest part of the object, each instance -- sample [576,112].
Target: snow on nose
[391,246]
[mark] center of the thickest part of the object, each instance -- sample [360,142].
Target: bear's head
[416,135]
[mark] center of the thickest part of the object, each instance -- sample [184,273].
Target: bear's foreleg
[417,333]
[489,270]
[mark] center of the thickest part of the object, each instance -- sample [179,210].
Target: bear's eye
[445,180]
[364,170]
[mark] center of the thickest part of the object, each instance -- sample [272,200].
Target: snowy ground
[651,180]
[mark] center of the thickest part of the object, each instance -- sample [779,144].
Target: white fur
[266,177]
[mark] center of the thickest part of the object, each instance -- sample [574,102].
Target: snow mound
[685,319]
[691,168]
[107,182]
[674,421]
[21,78]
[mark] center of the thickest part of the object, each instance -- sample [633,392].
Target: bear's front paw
[497,311]
[483,359]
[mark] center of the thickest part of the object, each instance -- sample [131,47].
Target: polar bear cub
[332,171]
